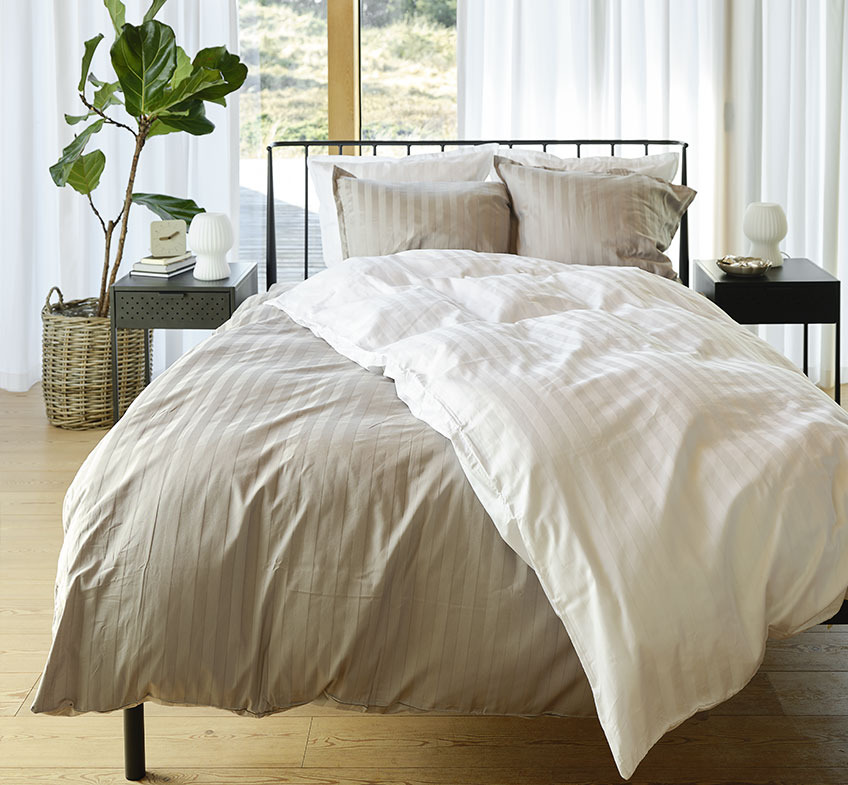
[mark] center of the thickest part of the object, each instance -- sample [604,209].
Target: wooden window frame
[344,106]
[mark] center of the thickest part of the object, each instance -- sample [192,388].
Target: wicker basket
[77,364]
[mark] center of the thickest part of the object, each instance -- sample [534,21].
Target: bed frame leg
[134,767]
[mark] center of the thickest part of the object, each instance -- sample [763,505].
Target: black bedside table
[179,303]
[799,292]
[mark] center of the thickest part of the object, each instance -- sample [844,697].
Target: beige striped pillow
[615,218]
[378,218]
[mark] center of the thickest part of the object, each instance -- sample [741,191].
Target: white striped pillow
[379,218]
[662,165]
[617,218]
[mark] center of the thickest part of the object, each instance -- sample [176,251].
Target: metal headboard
[271,233]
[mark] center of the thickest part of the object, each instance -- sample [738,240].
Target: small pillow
[616,218]
[466,164]
[378,218]
[662,165]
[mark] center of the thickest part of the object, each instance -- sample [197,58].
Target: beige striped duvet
[269,524]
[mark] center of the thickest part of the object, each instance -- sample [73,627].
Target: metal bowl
[744,266]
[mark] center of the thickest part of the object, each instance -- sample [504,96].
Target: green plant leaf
[118,13]
[73,119]
[189,88]
[84,175]
[90,46]
[233,71]
[155,5]
[144,58]
[192,121]
[62,168]
[95,81]
[158,128]
[183,69]
[169,208]
[105,96]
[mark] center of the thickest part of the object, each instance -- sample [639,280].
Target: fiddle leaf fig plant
[157,89]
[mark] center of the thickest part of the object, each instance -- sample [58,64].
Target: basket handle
[50,294]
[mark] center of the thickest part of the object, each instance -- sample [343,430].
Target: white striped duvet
[267,525]
[679,488]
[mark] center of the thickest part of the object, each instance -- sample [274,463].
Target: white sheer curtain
[759,90]
[50,235]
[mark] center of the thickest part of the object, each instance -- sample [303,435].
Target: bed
[357,490]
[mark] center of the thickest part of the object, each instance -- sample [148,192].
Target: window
[284,44]
[408,69]
[407,91]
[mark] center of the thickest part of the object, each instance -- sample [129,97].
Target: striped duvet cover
[269,525]
[678,487]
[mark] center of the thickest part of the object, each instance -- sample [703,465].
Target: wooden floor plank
[14,621]
[736,741]
[23,653]
[811,694]
[14,687]
[178,741]
[818,649]
[399,741]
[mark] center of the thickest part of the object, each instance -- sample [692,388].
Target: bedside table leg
[114,361]
[806,349]
[147,356]
[837,392]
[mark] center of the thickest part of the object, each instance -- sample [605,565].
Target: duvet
[678,488]
[269,525]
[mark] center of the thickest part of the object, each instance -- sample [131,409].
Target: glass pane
[284,44]
[408,69]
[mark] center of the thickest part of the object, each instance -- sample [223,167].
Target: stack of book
[163,266]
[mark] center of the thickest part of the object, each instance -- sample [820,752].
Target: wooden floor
[789,726]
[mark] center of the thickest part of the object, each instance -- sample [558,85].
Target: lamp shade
[210,237]
[765,226]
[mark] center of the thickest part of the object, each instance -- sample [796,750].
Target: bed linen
[616,217]
[679,488]
[267,525]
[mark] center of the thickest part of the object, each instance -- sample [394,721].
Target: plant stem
[96,212]
[103,114]
[103,293]
[141,137]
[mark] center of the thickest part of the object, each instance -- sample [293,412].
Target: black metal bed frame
[373,144]
[134,755]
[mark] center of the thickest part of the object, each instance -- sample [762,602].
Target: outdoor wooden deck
[289,237]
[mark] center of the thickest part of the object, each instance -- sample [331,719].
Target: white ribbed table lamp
[765,226]
[210,237]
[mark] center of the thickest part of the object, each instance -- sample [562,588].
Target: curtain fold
[758,89]
[52,237]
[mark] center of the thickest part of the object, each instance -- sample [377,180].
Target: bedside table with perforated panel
[178,303]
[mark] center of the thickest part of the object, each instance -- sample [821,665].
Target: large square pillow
[615,218]
[378,218]
[464,165]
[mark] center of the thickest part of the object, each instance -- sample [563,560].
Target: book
[166,260]
[160,273]
[163,268]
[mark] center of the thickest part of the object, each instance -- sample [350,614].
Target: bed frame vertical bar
[134,764]
[270,228]
[305,212]
[683,264]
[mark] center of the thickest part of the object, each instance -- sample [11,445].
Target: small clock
[167,238]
